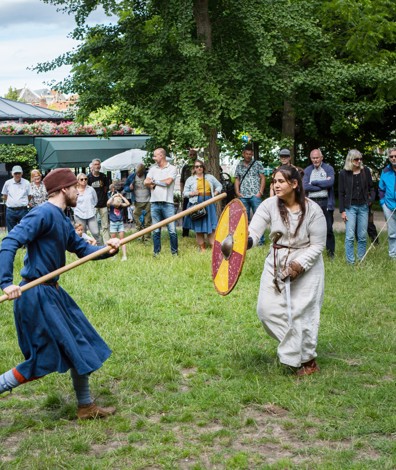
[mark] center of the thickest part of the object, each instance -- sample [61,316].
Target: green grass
[195,379]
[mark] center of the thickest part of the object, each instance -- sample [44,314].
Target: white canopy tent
[124,161]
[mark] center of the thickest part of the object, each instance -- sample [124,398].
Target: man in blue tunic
[53,333]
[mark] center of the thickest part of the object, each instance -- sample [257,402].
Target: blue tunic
[53,333]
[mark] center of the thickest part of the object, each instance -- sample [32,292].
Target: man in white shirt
[16,194]
[161,181]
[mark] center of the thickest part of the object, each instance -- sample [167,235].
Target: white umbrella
[124,161]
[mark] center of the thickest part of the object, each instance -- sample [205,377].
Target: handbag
[199,214]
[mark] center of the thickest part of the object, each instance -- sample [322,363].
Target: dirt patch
[266,434]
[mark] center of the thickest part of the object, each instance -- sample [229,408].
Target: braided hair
[290,173]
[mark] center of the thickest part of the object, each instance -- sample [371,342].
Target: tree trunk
[202,20]
[204,34]
[213,154]
[289,124]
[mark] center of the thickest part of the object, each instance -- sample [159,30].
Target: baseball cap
[284,153]
[16,169]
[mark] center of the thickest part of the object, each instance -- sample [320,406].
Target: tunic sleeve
[23,233]
[317,231]
[81,248]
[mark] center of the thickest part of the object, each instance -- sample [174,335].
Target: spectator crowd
[146,197]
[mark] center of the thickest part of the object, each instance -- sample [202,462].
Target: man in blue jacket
[318,184]
[387,194]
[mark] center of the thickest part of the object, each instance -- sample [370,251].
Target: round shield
[229,247]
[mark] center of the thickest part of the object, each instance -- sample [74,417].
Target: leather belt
[49,283]
[319,198]
[17,208]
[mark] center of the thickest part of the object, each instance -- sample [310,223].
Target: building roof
[15,110]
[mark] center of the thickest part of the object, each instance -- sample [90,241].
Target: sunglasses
[392,156]
[83,179]
[357,159]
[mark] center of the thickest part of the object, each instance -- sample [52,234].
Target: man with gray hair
[98,181]
[318,182]
[16,194]
[387,194]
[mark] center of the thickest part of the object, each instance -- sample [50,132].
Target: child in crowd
[112,191]
[80,232]
[116,203]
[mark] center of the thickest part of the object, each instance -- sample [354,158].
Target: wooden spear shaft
[106,249]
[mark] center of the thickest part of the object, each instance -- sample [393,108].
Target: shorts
[117,227]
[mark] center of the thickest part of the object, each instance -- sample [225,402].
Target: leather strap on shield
[229,249]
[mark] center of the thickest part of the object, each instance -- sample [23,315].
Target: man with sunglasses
[387,194]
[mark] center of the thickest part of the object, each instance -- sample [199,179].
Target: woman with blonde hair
[85,210]
[356,192]
[38,191]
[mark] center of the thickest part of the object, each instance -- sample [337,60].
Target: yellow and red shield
[229,247]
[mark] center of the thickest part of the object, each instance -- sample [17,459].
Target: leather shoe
[93,411]
[308,368]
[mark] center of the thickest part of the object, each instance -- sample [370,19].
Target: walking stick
[376,238]
[106,249]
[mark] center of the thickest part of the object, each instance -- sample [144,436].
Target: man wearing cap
[53,333]
[318,182]
[285,159]
[249,181]
[16,194]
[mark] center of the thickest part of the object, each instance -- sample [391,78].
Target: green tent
[75,152]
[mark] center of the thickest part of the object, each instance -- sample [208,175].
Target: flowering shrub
[64,128]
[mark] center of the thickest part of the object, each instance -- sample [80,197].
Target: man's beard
[70,202]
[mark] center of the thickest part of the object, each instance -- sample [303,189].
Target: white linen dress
[298,338]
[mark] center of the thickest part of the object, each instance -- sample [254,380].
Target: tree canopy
[301,73]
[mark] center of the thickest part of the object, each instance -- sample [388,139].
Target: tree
[189,70]
[184,80]
[12,94]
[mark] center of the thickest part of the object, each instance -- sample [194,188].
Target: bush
[24,155]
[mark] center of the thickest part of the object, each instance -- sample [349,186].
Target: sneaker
[156,255]
[124,258]
[93,411]
[308,368]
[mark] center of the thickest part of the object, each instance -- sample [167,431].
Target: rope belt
[276,247]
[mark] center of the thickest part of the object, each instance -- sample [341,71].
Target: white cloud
[33,32]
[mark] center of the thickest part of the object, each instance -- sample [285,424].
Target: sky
[32,32]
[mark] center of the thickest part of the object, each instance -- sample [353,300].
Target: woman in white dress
[292,282]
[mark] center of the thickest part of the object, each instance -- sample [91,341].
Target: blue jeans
[251,204]
[161,211]
[357,221]
[391,218]
[13,217]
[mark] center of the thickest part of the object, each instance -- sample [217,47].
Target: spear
[106,249]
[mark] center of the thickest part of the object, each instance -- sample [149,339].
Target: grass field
[195,379]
